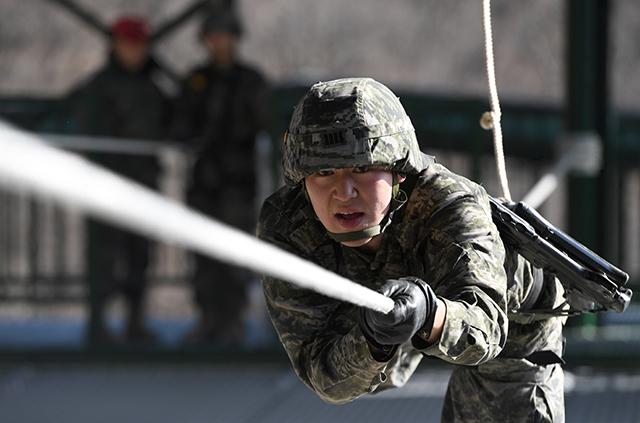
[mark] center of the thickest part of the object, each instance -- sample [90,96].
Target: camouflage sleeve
[320,335]
[325,346]
[464,256]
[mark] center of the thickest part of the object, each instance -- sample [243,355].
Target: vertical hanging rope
[491,120]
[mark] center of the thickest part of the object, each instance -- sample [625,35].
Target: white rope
[28,164]
[492,119]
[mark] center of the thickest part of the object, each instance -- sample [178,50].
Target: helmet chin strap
[398,199]
[356,235]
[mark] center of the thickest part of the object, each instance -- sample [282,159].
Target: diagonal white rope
[495,114]
[26,164]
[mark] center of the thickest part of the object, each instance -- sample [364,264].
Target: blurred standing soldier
[221,110]
[123,100]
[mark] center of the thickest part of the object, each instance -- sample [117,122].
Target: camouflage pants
[505,390]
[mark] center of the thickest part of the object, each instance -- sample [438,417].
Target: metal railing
[42,247]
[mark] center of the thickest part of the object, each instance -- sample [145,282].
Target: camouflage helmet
[350,122]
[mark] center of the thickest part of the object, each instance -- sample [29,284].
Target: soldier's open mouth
[349,220]
[349,216]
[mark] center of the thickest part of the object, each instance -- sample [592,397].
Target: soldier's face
[351,199]
[220,44]
[131,54]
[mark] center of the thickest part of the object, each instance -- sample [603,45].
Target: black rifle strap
[544,358]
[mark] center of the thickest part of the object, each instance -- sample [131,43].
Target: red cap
[131,28]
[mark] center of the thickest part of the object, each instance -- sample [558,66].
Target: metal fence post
[587,107]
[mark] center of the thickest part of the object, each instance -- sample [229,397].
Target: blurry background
[564,69]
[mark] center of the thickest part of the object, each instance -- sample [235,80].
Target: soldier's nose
[344,188]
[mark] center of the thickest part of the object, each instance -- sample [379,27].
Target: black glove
[415,305]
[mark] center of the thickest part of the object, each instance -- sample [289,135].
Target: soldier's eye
[324,172]
[361,169]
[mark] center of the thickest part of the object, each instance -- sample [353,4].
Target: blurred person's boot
[98,334]
[136,330]
[212,330]
[231,333]
[204,331]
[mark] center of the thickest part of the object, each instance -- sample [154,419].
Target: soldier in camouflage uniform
[222,108]
[364,202]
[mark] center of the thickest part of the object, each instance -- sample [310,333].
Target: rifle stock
[580,270]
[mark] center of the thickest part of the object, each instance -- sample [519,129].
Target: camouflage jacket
[445,236]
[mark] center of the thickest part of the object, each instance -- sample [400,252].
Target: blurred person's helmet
[347,123]
[131,28]
[221,20]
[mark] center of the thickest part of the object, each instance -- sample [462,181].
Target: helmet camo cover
[350,122]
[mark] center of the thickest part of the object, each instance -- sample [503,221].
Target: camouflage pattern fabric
[445,236]
[505,390]
[350,122]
